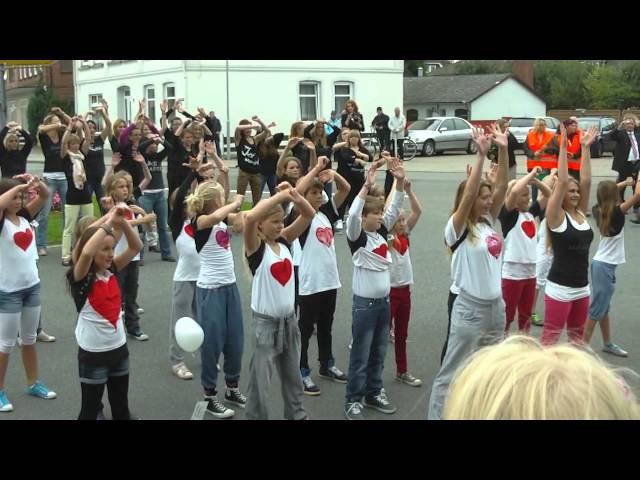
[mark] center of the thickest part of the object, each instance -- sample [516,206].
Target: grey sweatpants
[183,304]
[277,345]
[474,323]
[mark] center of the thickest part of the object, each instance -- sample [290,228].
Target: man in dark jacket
[381,124]
[626,157]
[213,123]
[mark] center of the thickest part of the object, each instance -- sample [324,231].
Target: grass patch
[54,234]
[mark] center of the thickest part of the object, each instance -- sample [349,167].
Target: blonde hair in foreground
[519,379]
[199,200]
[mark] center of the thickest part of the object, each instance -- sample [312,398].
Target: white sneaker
[339,225]
[140,311]
[409,379]
[45,337]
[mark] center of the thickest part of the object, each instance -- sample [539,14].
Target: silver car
[439,134]
[520,126]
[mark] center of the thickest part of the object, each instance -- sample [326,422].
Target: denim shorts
[603,284]
[13,302]
[97,368]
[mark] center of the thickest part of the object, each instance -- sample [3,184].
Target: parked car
[435,135]
[520,126]
[605,126]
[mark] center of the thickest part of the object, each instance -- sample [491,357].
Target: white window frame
[171,100]
[316,84]
[342,83]
[127,114]
[151,102]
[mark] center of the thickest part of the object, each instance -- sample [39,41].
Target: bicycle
[410,149]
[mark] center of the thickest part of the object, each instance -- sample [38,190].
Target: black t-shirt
[133,168]
[248,157]
[269,162]
[302,153]
[381,123]
[176,156]
[154,162]
[51,152]
[94,160]
[75,196]
[617,220]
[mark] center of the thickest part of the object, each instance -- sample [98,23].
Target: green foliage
[562,83]
[411,67]
[40,105]
[483,67]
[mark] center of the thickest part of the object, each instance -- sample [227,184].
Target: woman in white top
[277,336]
[478,311]
[19,280]
[567,291]
[610,216]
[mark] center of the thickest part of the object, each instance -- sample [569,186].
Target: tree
[614,87]
[562,83]
[40,104]
[411,67]
[483,67]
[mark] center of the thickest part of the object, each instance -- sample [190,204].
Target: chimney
[523,71]
[420,72]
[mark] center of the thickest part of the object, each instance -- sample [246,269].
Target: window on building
[412,115]
[308,100]
[150,95]
[342,91]
[124,103]
[20,72]
[94,102]
[170,94]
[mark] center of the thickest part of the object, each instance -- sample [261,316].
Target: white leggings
[25,322]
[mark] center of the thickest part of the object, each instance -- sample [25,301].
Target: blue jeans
[220,316]
[59,186]
[270,181]
[370,330]
[157,202]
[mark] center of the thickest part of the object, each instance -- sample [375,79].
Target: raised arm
[302,185]
[107,130]
[521,185]
[138,157]
[392,212]
[343,187]
[585,167]
[133,241]
[630,202]
[354,221]
[285,154]
[502,176]
[208,221]
[303,220]
[86,142]
[63,142]
[416,208]
[483,141]
[256,215]
[554,212]
[84,258]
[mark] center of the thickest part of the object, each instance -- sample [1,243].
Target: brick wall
[58,76]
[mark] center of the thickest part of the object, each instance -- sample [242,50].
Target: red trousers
[518,294]
[400,314]
[558,314]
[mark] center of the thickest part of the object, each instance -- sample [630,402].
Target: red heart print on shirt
[188,229]
[222,237]
[282,271]
[529,228]
[105,299]
[324,236]
[381,250]
[23,239]
[401,244]
[128,214]
[494,244]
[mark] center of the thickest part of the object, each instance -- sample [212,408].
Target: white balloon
[189,334]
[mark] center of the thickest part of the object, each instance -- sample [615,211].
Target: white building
[277,90]
[474,97]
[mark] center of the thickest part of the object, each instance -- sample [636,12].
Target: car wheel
[472,148]
[429,148]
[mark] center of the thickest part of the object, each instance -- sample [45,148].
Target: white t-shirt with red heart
[273,288]
[476,266]
[188,267]
[18,256]
[520,248]
[100,327]
[318,271]
[216,258]
[401,270]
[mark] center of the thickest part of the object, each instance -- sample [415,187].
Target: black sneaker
[217,409]
[138,334]
[168,259]
[310,388]
[154,249]
[353,411]
[335,374]
[233,396]
[381,403]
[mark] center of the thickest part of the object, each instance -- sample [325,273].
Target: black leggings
[317,309]
[452,298]
[118,391]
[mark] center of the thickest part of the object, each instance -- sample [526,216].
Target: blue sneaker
[5,405]
[39,390]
